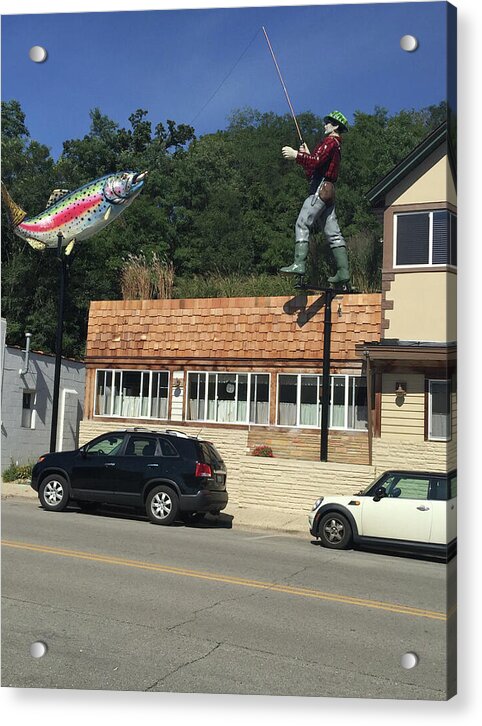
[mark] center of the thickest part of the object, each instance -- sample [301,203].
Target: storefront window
[131,394]
[226,398]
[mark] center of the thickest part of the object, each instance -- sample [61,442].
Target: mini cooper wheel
[162,505]
[54,493]
[335,531]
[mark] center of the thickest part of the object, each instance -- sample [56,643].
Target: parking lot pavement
[280,521]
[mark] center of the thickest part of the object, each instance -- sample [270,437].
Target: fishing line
[226,77]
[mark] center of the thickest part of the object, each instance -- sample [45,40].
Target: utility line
[226,77]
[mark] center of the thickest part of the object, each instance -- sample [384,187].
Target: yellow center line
[228,579]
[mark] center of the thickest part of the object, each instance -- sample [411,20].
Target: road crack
[180,667]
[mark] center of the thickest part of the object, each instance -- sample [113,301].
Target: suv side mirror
[379,494]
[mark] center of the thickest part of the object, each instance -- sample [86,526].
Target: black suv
[167,473]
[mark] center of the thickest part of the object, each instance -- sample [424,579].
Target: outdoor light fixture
[230,387]
[339,312]
[400,388]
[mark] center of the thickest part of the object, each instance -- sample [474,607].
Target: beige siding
[435,185]
[404,419]
[424,306]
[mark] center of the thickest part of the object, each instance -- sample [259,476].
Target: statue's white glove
[289,153]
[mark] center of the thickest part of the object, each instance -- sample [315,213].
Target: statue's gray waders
[314,209]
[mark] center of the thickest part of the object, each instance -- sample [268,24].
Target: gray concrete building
[27,388]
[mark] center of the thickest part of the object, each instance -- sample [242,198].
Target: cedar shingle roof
[268,328]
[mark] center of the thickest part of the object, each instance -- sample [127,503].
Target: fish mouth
[138,180]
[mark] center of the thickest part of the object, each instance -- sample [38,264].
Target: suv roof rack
[172,432]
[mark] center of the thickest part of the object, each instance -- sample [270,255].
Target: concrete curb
[247,517]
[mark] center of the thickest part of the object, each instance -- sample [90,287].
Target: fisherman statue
[321,168]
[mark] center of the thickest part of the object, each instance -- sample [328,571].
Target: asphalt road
[126,605]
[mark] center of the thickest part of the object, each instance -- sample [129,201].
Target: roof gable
[439,137]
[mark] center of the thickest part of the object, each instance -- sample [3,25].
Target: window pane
[159,391]
[440,244]
[197,395]
[408,488]
[99,394]
[259,403]
[440,425]
[338,402]
[167,449]
[453,239]
[141,446]
[144,402]
[309,401]
[438,489]
[226,404]
[103,395]
[453,486]
[117,394]
[357,404]
[287,400]
[211,415]
[412,239]
[131,388]
[109,444]
[27,406]
[242,408]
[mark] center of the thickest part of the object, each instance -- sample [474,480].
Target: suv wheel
[335,531]
[53,493]
[162,505]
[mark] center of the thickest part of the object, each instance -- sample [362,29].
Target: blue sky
[344,57]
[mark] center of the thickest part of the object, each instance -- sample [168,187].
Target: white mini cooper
[406,511]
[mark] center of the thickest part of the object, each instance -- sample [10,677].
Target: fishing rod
[283,84]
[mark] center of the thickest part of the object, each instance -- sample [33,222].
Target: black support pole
[58,345]
[325,398]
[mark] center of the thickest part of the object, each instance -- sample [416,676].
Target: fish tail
[15,214]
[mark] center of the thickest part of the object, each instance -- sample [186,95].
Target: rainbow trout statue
[75,215]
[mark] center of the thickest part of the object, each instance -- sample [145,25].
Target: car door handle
[110,463]
[153,465]
[423,508]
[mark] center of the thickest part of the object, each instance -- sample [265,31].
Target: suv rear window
[211,455]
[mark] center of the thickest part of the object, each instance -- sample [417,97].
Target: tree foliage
[221,208]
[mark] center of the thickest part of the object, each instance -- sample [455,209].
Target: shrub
[262,450]
[15,471]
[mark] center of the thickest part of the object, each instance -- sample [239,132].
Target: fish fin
[55,196]
[35,243]
[15,214]
[107,214]
[69,247]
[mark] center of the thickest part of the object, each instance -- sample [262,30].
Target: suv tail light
[203,470]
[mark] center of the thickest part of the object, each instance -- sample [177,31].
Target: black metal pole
[58,345]
[325,398]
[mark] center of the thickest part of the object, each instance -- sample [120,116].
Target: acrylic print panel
[173,162]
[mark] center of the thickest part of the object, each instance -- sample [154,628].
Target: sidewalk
[251,517]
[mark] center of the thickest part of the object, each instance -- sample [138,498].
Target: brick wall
[344,447]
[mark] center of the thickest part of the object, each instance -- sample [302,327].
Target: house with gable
[414,362]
